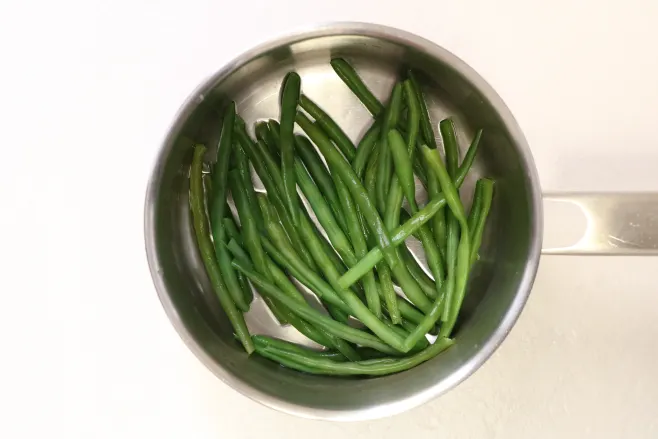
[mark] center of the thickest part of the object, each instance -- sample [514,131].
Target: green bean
[258,159]
[370,177]
[263,341]
[318,335]
[476,208]
[413,116]
[360,246]
[278,356]
[272,165]
[230,277]
[321,336]
[275,129]
[461,274]
[391,220]
[218,208]
[242,166]
[447,129]
[239,284]
[251,236]
[263,134]
[452,227]
[250,233]
[358,309]
[247,292]
[232,231]
[398,236]
[425,121]
[409,326]
[454,301]
[418,333]
[290,91]
[332,129]
[207,184]
[417,220]
[403,169]
[260,164]
[296,267]
[312,315]
[202,232]
[283,247]
[233,234]
[318,171]
[321,176]
[281,280]
[279,277]
[365,149]
[338,314]
[439,220]
[342,346]
[486,187]
[370,354]
[419,170]
[376,367]
[400,330]
[401,158]
[452,242]
[391,117]
[408,311]
[289,260]
[424,281]
[370,182]
[237,251]
[411,315]
[393,204]
[469,158]
[323,290]
[398,183]
[224,148]
[324,214]
[389,294]
[274,170]
[338,163]
[330,251]
[349,76]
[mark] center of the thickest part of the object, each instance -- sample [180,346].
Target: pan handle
[614,224]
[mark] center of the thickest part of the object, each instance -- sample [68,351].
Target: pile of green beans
[343,235]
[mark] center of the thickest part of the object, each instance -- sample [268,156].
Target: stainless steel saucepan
[501,281]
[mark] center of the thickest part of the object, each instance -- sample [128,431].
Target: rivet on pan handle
[616,224]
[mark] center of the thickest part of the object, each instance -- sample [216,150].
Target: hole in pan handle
[601,224]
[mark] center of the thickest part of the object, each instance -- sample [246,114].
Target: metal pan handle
[613,224]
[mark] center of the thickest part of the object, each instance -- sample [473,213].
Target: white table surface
[88,89]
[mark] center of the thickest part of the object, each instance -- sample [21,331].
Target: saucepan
[501,281]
